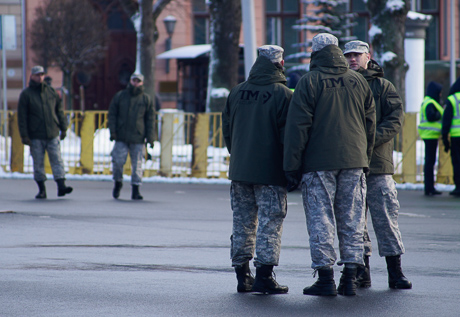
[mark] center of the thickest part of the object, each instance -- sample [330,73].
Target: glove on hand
[26,141]
[63,135]
[293,180]
[366,171]
[445,141]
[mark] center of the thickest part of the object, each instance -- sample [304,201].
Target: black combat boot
[324,286]
[62,188]
[266,283]
[41,190]
[136,195]
[116,189]
[347,284]
[363,274]
[396,278]
[244,277]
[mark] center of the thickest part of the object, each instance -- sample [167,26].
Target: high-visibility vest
[427,129]
[455,102]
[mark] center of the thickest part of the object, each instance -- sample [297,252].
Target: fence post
[87,142]
[17,148]
[445,171]
[200,146]
[167,135]
[409,148]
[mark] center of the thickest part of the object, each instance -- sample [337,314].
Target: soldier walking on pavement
[330,131]
[451,126]
[131,124]
[429,130]
[42,124]
[253,123]
[381,190]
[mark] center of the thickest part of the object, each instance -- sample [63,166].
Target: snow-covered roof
[186,52]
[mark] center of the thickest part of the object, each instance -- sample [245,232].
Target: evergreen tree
[322,16]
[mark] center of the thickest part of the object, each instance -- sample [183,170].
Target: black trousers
[431,147]
[455,155]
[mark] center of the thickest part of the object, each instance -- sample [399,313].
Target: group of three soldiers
[334,136]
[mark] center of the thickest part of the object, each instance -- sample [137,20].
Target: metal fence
[187,145]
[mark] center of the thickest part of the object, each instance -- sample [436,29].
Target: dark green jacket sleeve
[298,123]
[392,117]
[22,115]
[226,125]
[370,123]
[113,114]
[59,111]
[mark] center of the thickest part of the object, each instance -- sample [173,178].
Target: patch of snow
[220,93]
[395,5]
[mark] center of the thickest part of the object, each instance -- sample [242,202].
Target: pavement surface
[87,254]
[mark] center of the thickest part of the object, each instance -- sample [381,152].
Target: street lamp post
[170,23]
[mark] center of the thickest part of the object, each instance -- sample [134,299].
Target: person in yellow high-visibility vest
[451,126]
[430,132]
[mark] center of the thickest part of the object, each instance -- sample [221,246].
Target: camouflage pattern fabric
[356,47]
[382,198]
[367,239]
[322,40]
[120,153]
[37,150]
[258,215]
[335,199]
[273,52]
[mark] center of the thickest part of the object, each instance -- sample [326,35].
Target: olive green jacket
[331,119]
[389,116]
[131,116]
[253,123]
[40,113]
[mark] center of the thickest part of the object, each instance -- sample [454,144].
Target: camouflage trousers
[383,207]
[258,215]
[119,155]
[335,199]
[37,150]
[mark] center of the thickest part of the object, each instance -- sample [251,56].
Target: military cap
[356,47]
[273,52]
[322,40]
[137,76]
[37,70]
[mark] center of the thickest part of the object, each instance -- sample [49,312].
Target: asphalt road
[87,254]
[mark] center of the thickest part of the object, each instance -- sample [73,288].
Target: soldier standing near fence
[131,124]
[330,131]
[382,196]
[42,124]
[253,126]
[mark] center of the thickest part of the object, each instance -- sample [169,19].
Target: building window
[431,7]
[200,22]
[281,15]
[360,30]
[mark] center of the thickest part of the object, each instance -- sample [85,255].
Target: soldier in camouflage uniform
[42,124]
[131,124]
[381,191]
[329,138]
[253,126]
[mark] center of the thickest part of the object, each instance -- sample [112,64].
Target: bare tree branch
[70,34]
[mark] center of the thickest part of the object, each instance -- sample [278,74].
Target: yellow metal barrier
[190,145]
